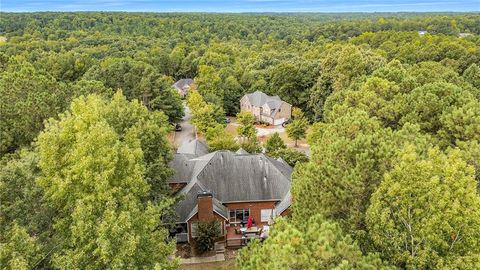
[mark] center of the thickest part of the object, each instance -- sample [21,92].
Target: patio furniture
[252,230]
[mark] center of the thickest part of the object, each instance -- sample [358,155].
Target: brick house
[270,109]
[229,187]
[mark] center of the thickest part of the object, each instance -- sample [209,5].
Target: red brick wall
[195,218]
[255,209]
[255,212]
[205,208]
[285,213]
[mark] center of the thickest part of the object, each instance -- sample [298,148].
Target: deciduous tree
[18,250]
[297,129]
[218,139]
[472,75]
[246,130]
[204,115]
[94,170]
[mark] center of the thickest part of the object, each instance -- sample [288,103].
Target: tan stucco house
[270,109]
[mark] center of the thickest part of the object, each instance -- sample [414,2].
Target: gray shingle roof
[241,151]
[243,178]
[185,208]
[183,168]
[183,84]
[284,204]
[232,177]
[218,207]
[258,99]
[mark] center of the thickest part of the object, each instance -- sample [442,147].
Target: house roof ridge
[275,162]
[194,179]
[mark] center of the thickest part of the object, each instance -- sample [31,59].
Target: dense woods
[392,180]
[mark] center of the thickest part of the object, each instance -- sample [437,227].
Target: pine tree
[314,243]
[426,212]
[274,144]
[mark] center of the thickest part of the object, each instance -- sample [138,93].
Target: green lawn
[226,265]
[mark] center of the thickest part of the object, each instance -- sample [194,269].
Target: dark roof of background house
[180,84]
[232,177]
[258,99]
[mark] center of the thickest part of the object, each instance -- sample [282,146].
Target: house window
[237,215]
[194,229]
[267,214]
[220,224]
[279,110]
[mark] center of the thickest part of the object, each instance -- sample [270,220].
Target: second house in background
[183,86]
[270,109]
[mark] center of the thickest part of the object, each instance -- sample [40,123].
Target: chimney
[205,205]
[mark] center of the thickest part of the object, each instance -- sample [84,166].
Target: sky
[240,5]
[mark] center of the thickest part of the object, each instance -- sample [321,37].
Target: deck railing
[240,241]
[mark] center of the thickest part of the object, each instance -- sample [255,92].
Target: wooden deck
[234,240]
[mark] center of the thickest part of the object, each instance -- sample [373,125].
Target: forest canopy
[391,101]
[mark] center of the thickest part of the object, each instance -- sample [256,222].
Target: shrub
[207,232]
[291,156]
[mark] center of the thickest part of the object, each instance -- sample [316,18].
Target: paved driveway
[269,130]
[188,131]
[264,131]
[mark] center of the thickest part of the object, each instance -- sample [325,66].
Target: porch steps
[220,248]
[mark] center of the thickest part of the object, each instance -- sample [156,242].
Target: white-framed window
[267,214]
[220,224]
[237,215]
[194,228]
